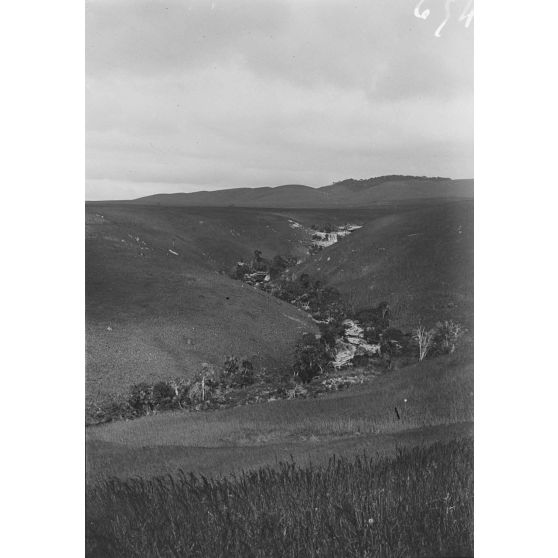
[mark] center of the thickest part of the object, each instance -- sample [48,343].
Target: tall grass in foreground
[419,503]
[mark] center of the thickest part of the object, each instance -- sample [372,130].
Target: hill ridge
[345,193]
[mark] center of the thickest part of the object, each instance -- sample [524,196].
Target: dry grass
[418,504]
[438,392]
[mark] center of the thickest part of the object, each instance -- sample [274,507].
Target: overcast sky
[201,95]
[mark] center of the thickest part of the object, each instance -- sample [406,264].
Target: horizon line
[280,186]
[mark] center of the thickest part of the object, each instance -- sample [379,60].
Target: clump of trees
[439,340]
[323,302]
[258,264]
[207,385]
[237,372]
[311,358]
[448,334]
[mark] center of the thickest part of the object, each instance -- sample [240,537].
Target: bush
[258,262]
[141,398]
[376,317]
[395,342]
[330,332]
[113,408]
[278,265]
[372,334]
[311,358]
[241,269]
[447,336]
[361,361]
[203,384]
[164,396]
[238,372]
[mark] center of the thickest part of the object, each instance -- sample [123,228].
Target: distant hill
[347,193]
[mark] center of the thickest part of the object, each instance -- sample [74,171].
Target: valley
[169,313]
[239,339]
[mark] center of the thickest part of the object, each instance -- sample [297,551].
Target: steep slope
[212,238]
[419,258]
[157,306]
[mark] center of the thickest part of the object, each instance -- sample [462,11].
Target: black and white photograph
[278,279]
[279,266]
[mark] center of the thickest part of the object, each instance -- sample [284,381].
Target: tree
[278,265]
[311,358]
[163,395]
[425,339]
[259,263]
[447,335]
[238,372]
[374,316]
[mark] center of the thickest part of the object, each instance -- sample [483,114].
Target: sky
[209,94]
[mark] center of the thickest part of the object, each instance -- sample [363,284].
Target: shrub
[141,398]
[447,336]
[311,358]
[230,367]
[259,263]
[164,395]
[203,384]
[395,342]
[237,372]
[372,334]
[241,269]
[245,373]
[361,360]
[377,317]
[278,265]
[113,408]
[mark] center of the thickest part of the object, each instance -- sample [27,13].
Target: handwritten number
[422,15]
[468,13]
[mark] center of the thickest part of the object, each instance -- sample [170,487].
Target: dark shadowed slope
[154,314]
[348,193]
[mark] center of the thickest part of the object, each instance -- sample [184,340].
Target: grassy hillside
[168,313]
[152,315]
[417,257]
[439,405]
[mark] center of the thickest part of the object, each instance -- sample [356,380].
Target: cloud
[265,92]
